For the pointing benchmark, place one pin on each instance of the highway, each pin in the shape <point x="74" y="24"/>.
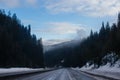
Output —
<point x="59" y="74"/>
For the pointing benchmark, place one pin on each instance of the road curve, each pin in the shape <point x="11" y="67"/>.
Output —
<point x="60" y="74"/>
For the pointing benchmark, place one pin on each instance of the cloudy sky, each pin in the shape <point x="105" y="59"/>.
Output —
<point x="63" y="19"/>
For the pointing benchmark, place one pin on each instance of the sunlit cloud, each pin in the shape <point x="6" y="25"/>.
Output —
<point x="61" y="28"/>
<point x="64" y="27"/>
<point x="85" y="7"/>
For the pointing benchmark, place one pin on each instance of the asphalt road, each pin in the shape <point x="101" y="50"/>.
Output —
<point x="60" y="74"/>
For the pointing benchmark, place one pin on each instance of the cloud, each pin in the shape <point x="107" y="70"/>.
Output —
<point x="9" y="3"/>
<point x="17" y="3"/>
<point x="81" y="34"/>
<point x="54" y="41"/>
<point x="85" y="7"/>
<point x="61" y="28"/>
<point x="32" y="2"/>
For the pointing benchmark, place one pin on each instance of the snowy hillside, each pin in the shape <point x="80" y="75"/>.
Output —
<point x="106" y="70"/>
<point x="71" y="43"/>
<point x="111" y="70"/>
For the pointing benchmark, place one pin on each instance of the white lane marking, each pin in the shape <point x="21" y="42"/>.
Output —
<point x="54" y="75"/>
<point x="69" y="76"/>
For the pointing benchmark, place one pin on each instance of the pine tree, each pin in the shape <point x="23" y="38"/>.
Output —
<point x="18" y="48"/>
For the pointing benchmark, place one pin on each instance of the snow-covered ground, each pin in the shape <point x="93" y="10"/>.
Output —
<point x="18" y="71"/>
<point x="106" y="70"/>
<point x="9" y="70"/>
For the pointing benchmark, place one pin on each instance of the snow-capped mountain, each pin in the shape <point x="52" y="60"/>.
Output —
<point x="54" y="44"/>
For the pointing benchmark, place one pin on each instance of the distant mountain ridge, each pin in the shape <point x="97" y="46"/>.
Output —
<point x="71" y="43"/>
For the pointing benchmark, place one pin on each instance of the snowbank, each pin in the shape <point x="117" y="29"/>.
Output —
<point x="11" y="70"/>
<point x="106" y="70"/>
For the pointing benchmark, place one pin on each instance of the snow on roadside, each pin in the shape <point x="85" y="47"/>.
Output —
<point x="11" y="70"/>
<point x="106" y="70"/>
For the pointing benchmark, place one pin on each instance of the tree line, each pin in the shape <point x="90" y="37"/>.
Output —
<point x="18" y="47"/>
<point x="92" y="49"/>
